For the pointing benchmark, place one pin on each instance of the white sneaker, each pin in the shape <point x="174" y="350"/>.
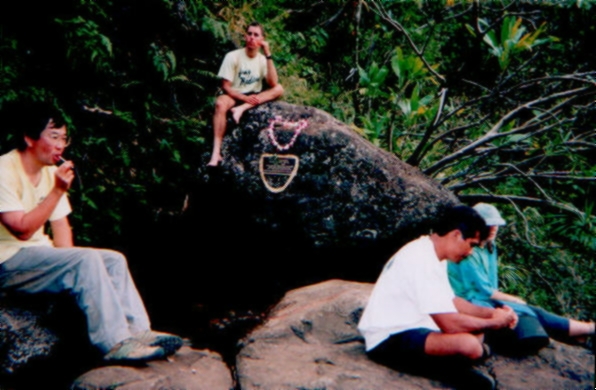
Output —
<point x="170" y="343"/>
<point x="132" y="350"/>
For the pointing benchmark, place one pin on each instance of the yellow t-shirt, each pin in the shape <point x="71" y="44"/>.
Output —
<point x="18" y="193"/>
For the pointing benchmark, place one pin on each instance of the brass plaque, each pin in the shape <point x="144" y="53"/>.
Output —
<point x="278" y="170"/>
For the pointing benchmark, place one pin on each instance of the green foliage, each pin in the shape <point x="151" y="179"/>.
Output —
<point x="409" y="69"/>
<point x="84" y="38"/>
<point x="505" y="130"/>
<point x="477" y="96"/>
<point x="512" y="40"/>
<point x="555" y="269"/>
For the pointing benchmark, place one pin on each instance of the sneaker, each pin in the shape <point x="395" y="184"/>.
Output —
<point x="170" y="343"/>
<point x="132" y="350"/>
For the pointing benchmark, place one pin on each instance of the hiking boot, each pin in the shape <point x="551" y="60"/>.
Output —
<point x="170" y="343"/>
<point x="473" y="379"/>
<point x="133" y="351"/>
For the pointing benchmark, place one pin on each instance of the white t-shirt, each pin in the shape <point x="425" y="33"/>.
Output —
<point x="413" y="285"/>
<point x="245" y="73"/>
<point x="17" y="193"/>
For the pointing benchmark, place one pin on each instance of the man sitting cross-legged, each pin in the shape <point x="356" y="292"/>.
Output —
<point x="413" y="320"/>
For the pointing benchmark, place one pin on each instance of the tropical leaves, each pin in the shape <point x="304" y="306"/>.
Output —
<point x="512" y="40"/>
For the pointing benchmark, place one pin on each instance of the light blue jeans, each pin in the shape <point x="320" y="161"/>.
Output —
<point x="99" y="280"/>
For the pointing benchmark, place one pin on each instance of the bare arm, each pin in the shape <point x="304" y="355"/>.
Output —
<point x="272" y="78"/>
<point x="507" y="297"/>
<point x="472" y="318"/>
<point x="23" y="225"/>
<point x="466" y="307"/>
<point x="62" y="233"/>
<point x="226" y="85"/>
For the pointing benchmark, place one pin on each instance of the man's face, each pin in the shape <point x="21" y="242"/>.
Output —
<point x="459" y="247"/>
<point x="49" y="147"/>
<point x="253" y="37"/>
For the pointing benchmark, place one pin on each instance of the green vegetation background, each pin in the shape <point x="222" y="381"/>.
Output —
<point x="493" y="99"/>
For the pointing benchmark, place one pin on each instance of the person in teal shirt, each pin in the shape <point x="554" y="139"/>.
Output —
<point x="476" y="280"/>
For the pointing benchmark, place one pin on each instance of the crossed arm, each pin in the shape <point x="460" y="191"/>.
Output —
<point x="472" y="318"/>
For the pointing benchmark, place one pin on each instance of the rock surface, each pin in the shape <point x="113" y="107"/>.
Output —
<point x="310" y="341"/>
<point x="22" y="338"/>
<point x="347" y="192"/>
<point x="188" y="369"/>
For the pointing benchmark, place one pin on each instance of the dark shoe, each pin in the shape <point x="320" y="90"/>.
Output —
<point x="471" y="378"/>
<point x="132" y="350"/>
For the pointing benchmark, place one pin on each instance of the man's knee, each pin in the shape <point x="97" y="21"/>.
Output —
<point x="223" y="104"/>
<point x="471" y="346"/>
<point x="463" y="344"/>
<point x="86" y="260"/>
<point x="113" y="258"/>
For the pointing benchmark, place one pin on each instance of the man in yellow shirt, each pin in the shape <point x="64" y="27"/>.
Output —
<point x="32" y="192"/>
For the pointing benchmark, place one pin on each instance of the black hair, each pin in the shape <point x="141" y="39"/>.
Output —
<point x="29" y="119"/>
<point x="462" y="218"/>
<point x="256" y="24"/>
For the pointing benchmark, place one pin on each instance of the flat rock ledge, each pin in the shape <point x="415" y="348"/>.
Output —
<point x="188" y="369"/>
<point x="310" y="341"/>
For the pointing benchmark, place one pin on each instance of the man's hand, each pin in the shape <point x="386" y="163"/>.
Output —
<point x="266" y="48"/>
<point x="505" y="317"/>
<point x="515" y="320"/>
<point x="64" y="176"/>
<point x="252" y="99"/>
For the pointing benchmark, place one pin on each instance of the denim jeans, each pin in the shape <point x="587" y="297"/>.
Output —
<point x="99" y="280"/>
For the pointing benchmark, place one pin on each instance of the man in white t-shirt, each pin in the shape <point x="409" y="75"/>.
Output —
<point x="33" y="191"/>
<point x="243" y="72"/>
<point x="413" y="316"/>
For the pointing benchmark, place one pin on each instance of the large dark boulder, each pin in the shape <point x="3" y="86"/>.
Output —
<point x="350" y="206"/>
<point x="43" y="341"/>
<point x="22" y="338"/>
<point x="347" y="192"/>
<point x="310" y="341"/>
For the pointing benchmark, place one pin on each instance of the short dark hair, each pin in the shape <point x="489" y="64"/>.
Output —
<point x="256" y="24"/>
<point x="29" y="119"/>
<point x="462" y="218"/>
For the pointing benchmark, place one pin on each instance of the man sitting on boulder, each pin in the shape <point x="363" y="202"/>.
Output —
<point x="242" y="73"/>
<point x="32" y="192"/>
<point x="414" y="321"/>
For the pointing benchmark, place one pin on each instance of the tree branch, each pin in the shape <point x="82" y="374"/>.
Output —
<point x="493" y="133"/>
<point x="521" y="201"/>
<point x="380" y="10"/>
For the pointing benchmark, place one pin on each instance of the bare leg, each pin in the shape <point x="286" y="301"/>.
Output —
<point x="463" y="344"/>
<point x="222" y="106"/>
<point x="264" y="97"/>
<point x="580" y="328"/>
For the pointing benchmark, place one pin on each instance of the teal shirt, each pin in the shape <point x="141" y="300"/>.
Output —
<point x="476" y="278"/>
